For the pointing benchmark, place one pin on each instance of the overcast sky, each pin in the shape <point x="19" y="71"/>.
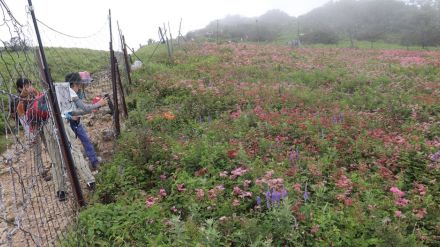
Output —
<point x="139" y="19"/>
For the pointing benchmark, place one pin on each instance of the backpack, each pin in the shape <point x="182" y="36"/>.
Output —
<point x="38" y="110"/>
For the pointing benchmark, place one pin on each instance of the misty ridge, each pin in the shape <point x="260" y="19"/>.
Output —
<point x="405" y="22"/>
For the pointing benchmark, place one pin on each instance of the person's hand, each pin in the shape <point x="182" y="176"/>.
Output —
<point x="68" y="115"/>
<point x="102" y="102"/>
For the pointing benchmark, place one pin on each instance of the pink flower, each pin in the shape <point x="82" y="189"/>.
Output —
<point x="401" y="202"/>
<point x="181" y="187"/>
<point x="397" y="192"/>
<point x="276" y="183"/>
<point x="259" y="182"/>
<point x="237" y="172"/>
<point x="297" y="187"/>
<point x="200" y="193"/>
<point x="348" y="201"/>
<point x="167" y="223"/>
<point x="223" y="219"/>
<point x="407" y="61"/>
<point x="343" y="182"/>
<point x="232" y="154"/>
<point x="420" y="188"/>
<point x="269" y="174"/>
<point x="236" y="203"/>
<point x="220" y="187"/>
<point x="149" y="202"/>
<point x="163" y="177"/>
<point x="246" y="183"/>
<point x="237" y="190"/>
<point x="420" y="213"/>
<point x="223" y="174"/>
<point x="340" y="197"/>
<point x="212" y="194"/>
<point x="174" y="209"/>
<point x="246" y="194"/>
<point x="314" y="229"/>
<point x="162" y="192"/>
<point x="235" y="114"/>
<point x="399" y="214"/>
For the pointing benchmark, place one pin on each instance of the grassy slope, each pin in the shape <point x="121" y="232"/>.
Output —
<point x="220" y="128"/>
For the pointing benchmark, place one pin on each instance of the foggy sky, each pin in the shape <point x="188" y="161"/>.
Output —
<point x="140" y="19"/>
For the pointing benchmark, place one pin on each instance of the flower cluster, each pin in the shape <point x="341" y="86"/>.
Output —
<point x="399" y="197"/>
<point x="273" y="197"/>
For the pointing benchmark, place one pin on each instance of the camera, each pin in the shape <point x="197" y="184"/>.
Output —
<point x="110" y="103"/>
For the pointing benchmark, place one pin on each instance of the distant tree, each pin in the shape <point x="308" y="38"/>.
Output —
<point x="320" y="37"/>
<point x="17" y="44"/>
<point x="378" y="18"/>
<point x="407" y="21"/>
<point x="275" y="17"/>
<point x="426" y="3"/>
<point x="234" y="27"/>
<point x="422" y="27"/>
<point x="349" y="19"/>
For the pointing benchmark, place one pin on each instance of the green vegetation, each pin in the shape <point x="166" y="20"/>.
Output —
<point x="61" y="61"/>
<point x="65" y="60"/>
<point x="262" y="145"/>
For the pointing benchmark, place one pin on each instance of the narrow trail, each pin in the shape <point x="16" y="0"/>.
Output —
<point x="30" y="213"/>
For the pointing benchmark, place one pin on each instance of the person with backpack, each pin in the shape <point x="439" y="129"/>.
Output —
<point x="28" y="95"/>
<point x="42" y="128"/>
<point x="79" y="108"/>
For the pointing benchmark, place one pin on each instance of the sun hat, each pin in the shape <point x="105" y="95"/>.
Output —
<point x="73" y="78"/>
<point x="85" y="76"/>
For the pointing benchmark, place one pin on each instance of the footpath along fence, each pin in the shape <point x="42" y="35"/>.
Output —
<point x="36" y="162"/>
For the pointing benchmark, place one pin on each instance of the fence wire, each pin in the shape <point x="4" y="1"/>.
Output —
<point x="33" y="211"/>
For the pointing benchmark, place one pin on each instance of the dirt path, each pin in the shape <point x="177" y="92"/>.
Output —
<point x="30" y="213"/>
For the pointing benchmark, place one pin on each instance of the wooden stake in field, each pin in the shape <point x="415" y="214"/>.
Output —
<point x="165" y="40"/>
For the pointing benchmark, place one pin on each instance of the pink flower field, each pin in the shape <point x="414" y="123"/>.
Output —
<point x="274" y="146"/>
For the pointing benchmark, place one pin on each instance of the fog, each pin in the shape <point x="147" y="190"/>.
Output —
<point x="391" y="21"/>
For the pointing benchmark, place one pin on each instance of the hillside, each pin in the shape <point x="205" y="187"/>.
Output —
<point x="390" y="21"/>
<point x="263" y="145"/>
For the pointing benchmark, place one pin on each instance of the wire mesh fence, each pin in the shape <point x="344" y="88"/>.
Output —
<point x="37" y="197"/>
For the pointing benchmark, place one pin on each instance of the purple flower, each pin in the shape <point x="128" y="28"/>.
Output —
<point x="258" y="200"/>
<point x="267" y="199"/>
<point x="283" y="193"/>
<point x="434" y="157"/>
<point x="294" y="156"/>
<point x="268" y="194"/>
<point x="338" y="118"/>
<point x="306" y="194"/>
<point x="276" y="196"/>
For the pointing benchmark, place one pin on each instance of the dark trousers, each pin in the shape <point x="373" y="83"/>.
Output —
<point x="81" y="133"/>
